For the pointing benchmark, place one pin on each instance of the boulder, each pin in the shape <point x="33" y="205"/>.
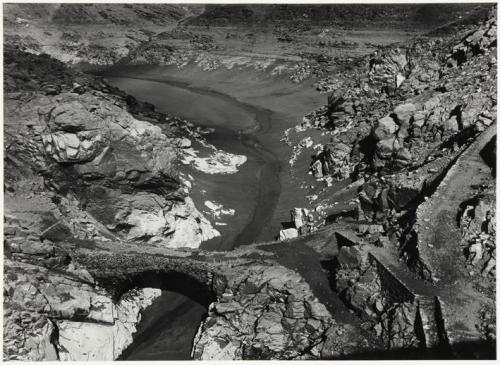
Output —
<point x="386" y="147"/>
<point x="419" y="119"/>
<point x="72" y="116"/>
<point x="404" y="112"/>
<point x="385" y="128"/>
<point x="315" y="309"/>
<point x="184" y="143"/>
<point x="451" y="124"/>
<point x="286" y="234"/>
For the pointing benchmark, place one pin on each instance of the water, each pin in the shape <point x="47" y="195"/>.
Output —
<point x="168" y="326"/>
<point x="253" y="192"/>
<point x="167" y="329"/>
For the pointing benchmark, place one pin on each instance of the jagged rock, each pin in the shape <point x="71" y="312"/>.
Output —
<point x="388" y="68"/>
<point x="100" y="341"/>
<point x="398" y="326"/>
<point x="280" y="323"/>
<point x="476" y="42"/>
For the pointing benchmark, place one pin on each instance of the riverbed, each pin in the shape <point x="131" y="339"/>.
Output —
<point x="254" y="190"/>
<point x="245" y="121"/>
<point x="263" y="191"/>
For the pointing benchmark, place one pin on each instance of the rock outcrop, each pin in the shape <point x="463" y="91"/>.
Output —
<point x="121" y="168"/>
<point x="81" y="168"/>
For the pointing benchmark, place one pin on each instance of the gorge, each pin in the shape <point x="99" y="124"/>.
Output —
<point x="225" y="182"/>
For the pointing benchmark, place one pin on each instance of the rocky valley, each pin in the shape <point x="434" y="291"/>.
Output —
<point x="231" y="182"/>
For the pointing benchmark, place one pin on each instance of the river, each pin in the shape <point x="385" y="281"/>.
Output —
<point x="169" y="325"/>
<point x="253" y="192"/>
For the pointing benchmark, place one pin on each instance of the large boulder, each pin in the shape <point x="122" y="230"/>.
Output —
<point x="71" y="115"/>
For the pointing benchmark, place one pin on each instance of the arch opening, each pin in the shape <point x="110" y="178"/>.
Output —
<point x="168" y="326"/>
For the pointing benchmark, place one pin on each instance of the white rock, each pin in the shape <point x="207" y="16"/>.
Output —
<point x="184" y="143"/>
<point x="286" y="234"/>
<point x="146" y="223"/>
<point x="87" y="144"/>
<point x="84" y="341"/>
<point x="219" y="162"/>
<point x="399" y="79"/>
<point x="71" y="140"/>
<point x="72" y="152"/>
<point x="190" y="227"/>
<point x="212" y="206"/>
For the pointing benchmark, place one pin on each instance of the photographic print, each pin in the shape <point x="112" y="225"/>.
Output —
<point x="244" y="181"/>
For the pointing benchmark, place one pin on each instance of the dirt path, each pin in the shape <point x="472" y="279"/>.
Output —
<point x="438" y="232"/>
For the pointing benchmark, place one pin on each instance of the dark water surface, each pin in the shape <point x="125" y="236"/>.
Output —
<point x="167" y="329"/>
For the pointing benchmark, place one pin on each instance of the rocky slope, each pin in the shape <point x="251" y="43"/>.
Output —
<point x="79" y="135"/>
<point x="319" y="39"/>
<point x="97" y="34"/>
<point x="94" y="202"/>
<point x="340" y="15"/>
<point x="410" y="141"/>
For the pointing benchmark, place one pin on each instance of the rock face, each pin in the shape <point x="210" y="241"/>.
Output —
<point x="64" y="316"/>
<point x="81" y="168"/>
<point x="260" y="315"/>
<point x="85" y="310"/>
<point x="122" y="168"/>
<point x="105" y="340"/>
